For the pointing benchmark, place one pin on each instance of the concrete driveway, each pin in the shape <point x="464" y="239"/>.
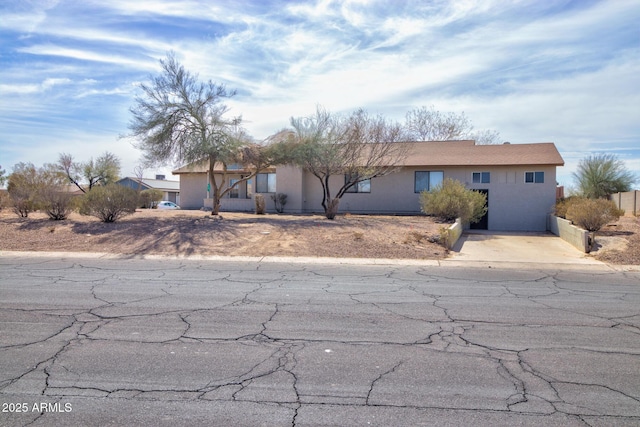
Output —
<point x="518" y="248"/>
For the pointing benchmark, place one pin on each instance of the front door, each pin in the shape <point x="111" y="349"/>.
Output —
<point x="483" y="224"/>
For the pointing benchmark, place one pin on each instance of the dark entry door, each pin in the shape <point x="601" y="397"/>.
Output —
<point x="483" y="224"/>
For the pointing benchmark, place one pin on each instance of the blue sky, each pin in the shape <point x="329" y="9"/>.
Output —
<point x="536" y="71"/>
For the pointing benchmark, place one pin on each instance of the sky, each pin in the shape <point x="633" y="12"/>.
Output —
<point x="557" y="71"/>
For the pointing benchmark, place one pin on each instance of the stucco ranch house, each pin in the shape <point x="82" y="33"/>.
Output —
<point x="170" y="189"/>
<point x="519" y="180"/>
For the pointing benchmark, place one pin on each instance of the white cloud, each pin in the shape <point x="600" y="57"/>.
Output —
<point x="88" y="55"/>
<point x="535" y="71"/>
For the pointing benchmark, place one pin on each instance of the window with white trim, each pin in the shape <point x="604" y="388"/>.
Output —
<point x="534" y="177"/>
<point x="427" y="180"/>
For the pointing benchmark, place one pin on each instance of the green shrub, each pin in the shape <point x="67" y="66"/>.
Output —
<point x="150" y="198"/>
<point x="592" y="214"/>
<point x="110" y="202"/>
<point x="451" y="199"/>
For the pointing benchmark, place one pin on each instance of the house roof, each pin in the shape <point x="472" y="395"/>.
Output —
<point x="467" y="153"/>
<point x="455" y="153"/>
<point x="203" y="167"/>
<point x="160" y="184"/>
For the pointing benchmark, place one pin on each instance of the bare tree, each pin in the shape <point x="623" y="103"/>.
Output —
<point x="139" y="173"/>
<point x="429" y="124"/>
<point x="182" y="120"/>
<point x="86" y="175"/>
<point x="359" y="147"/>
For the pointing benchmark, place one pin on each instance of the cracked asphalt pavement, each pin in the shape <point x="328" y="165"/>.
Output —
<point x="157" y="342"/>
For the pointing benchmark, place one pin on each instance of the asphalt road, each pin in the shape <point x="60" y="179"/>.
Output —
<point x="184" y="342"/>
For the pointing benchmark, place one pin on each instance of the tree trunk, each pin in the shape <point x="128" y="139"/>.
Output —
<point x="216" y="205"/>
<point x="332" y="208"/>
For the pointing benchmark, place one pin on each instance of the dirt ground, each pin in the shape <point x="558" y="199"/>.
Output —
<point x="198" y="233"/>
<point x="619" y="243"/>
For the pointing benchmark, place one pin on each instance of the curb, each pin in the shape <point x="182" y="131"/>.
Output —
<point x="449" y="262"/>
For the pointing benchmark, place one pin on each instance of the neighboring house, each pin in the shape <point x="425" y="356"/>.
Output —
<point x="170" y="189"/>
<point x="519" y="180"/>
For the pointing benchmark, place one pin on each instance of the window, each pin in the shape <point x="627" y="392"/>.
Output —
<point x="481" y="177"/>
<point x="266" y="183"/>
<point x="234" y="193"/>
<point x="534" y="177"/>
<point x="361" y="187"/>
<point x="427" y="181"/>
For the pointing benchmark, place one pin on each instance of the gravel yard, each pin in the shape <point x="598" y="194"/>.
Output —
<point x="198" y="233"/>
<point x="187" y="232"/>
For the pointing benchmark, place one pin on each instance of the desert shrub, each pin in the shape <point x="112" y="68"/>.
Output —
<point x="279" y="200"/>
<point x="592" y="214"/>
<point x="561" y="206"/>
<point x="110" y="202"/>
<point x="4" y="199"/>
<point x="53" y="195"/>
<point x="150" y="198"/>
<point x="56" y="202"/>
<point x="32" y="188"/>
<point x="451" y="199"/>
<point x="260" y="203"/>
<point x="23" y="189"/>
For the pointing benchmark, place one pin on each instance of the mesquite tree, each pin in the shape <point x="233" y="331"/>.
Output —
<point x="429" y="124"/>
<point x="103" y="170"/>
<point x="182" y="120"/>
<point x="359" y="147"/>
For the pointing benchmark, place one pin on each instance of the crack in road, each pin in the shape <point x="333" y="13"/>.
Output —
<point x="277" y="362"/>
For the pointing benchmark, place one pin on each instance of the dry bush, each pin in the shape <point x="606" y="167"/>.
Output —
<point x="261" y="205"/>
<point x="560" y="209"/>
<point x="110" y="202"/>
<point x="4" y="199"/>
<point x="414" y="237"/>
<point x="592" y="214"/>
<point x="23" y="189"/>
<point x="57" y="203"/>
<point x="150" y="198"/>
<point x="279" y="200"/>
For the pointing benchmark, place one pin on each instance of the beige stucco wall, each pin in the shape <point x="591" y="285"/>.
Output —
<point x="513" y="204"/>
<point x="290" y="181"/>
<point x="193" y="194"/>
<point x="629" y="201"/>
<point x="193" y="190"/>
